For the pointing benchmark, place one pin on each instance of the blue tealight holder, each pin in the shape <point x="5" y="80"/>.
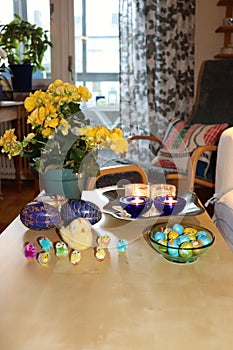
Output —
<point x="136" y="205"/>
<point x="169" y="205"/>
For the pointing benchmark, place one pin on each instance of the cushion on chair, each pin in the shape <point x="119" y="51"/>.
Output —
<point x="181" y="139"/>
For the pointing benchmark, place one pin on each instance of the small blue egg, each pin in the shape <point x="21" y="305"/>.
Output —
<point x="159" y="235"/>
<point x="173" y="248"/>
<point x="201" y="234"/>
<point x="204" y="240"/>
<point x="182" y="238"/>
<point x="178" y="228"/>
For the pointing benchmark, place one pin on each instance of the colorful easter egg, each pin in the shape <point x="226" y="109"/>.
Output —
<point x="76" y="208"/>
<point x="40" y="216"/>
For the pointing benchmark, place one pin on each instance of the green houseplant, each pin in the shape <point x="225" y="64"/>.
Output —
<point x="61" y="144"/>
<point x="25" y="45"/>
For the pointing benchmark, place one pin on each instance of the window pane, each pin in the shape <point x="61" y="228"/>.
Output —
<point x="97" y="48"/>
<point x="102" y="23"/>
<point x="6" y="15"/>
<point x="102" y="55"/>
<point x="38" y="12"/>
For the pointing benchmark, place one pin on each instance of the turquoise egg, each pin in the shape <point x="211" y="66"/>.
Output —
<point x="201" y="234"/>
<point x="173" y="248"/>
<point x="204" y="240"/>
<point x="178" y="228"/>
<point x="158" y="236"/>
<point x="182" y="238"/>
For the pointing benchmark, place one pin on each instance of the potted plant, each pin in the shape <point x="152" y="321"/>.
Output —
<point x="62" y="144"/>
<point x="25" y="45"/>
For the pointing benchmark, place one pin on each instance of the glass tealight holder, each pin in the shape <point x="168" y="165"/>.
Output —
<point x="169" y="205"/>
<point x="161" y="190"/>
<point x="136" y="206"/>
<point x="137" y="189"/>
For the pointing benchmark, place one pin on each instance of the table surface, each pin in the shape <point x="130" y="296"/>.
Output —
<point x="134" y="301"/>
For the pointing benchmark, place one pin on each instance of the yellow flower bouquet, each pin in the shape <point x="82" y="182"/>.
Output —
<point x="60" y="135"/>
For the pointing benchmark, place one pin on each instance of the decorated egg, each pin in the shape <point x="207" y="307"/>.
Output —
<point x="186" y="250"/>
<point x="159" y="235"/>
<point x="173" y="248"/>
<point x="178" y="228"/>
<point x="79" y="208"/>
<point x="182" y="238"/>
<point x="39" y="216"/>
<point x="172" y="235"/>
<point x="201" y="234"/>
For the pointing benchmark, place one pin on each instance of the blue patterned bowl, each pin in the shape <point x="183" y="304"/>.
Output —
<point x="40" y="216"/>
<point x="78" y="208"/>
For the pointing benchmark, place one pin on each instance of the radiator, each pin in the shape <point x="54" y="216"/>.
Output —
<point x="7" y="167"/>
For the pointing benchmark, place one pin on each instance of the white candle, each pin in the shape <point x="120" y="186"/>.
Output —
<point x="136" y="201"/>
<point x="170" y="201"/>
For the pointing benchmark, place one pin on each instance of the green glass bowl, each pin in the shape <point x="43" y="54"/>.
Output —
<point x="171" y="246"/>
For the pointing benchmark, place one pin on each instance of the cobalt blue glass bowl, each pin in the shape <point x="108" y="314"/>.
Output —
<point x="168" y="205"/>
<point x="136" y="206"/>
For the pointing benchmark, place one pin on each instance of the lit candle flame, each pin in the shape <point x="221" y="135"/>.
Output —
<point x="170" y="201"/>
<point x="137" y="201"/>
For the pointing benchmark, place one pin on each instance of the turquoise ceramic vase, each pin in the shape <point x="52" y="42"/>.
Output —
<point x="62" y="182"/>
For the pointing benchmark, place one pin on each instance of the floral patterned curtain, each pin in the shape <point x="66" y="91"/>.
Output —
<point x="156" y="62"/>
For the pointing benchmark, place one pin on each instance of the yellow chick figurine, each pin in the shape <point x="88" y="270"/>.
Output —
<point x="100" y="253"/>
<point x="75" y="257"/>
<point x="43" y="258"/>
<point x="103" y="241"/>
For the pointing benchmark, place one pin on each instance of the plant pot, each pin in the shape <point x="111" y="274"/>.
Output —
<point x="21" y="77"/>
<point x="62" y="182"/>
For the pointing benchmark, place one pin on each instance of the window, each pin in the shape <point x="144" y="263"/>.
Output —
<point x="78" y="29"/>
<point x="97" y="47"/>
<point x="35" y="12"/>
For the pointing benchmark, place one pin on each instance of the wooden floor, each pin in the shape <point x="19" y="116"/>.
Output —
<point x="13" y="201"/>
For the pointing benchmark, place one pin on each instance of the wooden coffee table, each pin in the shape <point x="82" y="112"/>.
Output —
<point x="137" y="300"/>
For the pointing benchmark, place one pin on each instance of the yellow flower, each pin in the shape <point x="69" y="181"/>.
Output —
<point x="48" y="113"/>
<point x="8" y="137"/>
<point x="29" y="137"/>
<point x="119" y="145"/>
<point x="84" y="93"/>
<point x="116" y="132"/>
<point x="64" y="126"/>
<point x="29" y="104"/>
<point x="9" y="143"/>
<point x="47" y="132"/>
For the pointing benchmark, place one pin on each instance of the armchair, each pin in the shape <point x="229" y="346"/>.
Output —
<point x="187" y="154"/>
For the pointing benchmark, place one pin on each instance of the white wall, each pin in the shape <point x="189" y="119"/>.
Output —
<point x="208" y="43"/>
